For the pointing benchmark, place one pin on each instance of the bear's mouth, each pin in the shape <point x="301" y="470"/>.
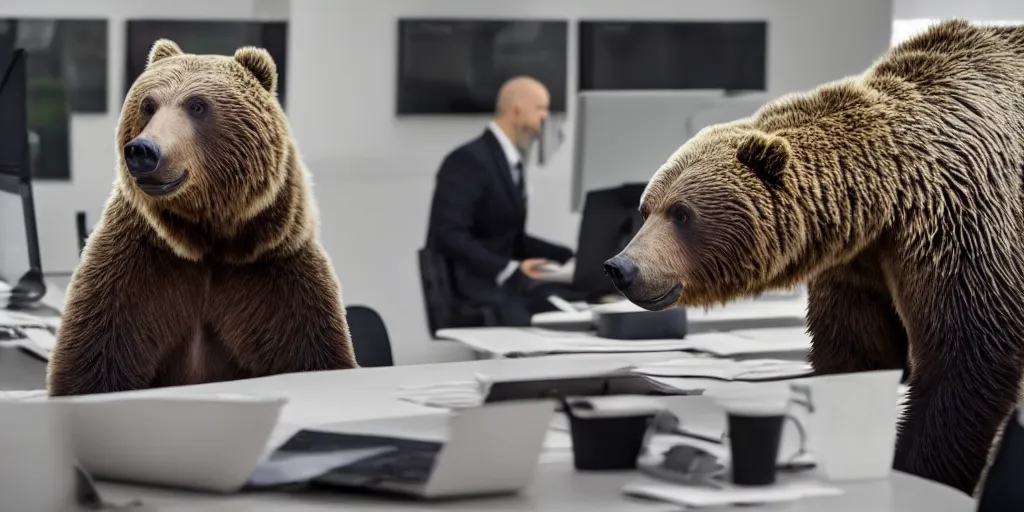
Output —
<point x="156" y="188"/>
<point x="662" y="301"/>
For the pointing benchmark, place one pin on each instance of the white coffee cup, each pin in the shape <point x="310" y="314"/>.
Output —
<point x="852" y="423"/>
<point x="36" y="458"/>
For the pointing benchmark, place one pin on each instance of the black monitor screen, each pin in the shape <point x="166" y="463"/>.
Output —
<point x="673" y="55"/>
<point x="611" y="218"/>
<point x="456" y="66"/>
<point x="14" y="156"/>
<point x="216" y="37"/>
<point x="14" y="250"/>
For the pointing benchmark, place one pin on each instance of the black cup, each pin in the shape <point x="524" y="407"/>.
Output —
<point x="607" y="443"/>
<point x="754" y="442"/>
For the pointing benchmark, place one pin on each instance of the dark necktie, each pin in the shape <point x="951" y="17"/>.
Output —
<point x="521" y="182"/>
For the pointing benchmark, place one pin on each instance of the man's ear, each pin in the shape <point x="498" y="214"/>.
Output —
<point x="162" y="49"/>
<point x="766" y="155"/>
<point x="259" y="62"/>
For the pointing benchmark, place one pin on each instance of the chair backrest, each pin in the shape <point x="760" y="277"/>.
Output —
<point x="370" y="338"/>
<point x="1002" y="489"/>
<point x="437" y="289"/>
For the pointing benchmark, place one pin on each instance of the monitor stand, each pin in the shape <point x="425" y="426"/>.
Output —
<point x="28" y="292"/>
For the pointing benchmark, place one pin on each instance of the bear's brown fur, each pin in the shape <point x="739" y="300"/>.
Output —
<point x="208" y="268"/>
<point x="898" y="196"/>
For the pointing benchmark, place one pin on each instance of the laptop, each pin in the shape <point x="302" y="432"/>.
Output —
<point x="487" y="450"/>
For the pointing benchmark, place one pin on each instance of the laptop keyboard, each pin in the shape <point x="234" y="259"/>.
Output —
<point x="410" y="462"/>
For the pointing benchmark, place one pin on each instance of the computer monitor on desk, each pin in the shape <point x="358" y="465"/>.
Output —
<point x="625" y="136"/>
<point x="611" y="218"/>
<point x="20" y="265"/>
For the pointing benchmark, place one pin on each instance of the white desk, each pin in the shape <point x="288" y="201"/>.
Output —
<point x="509" y="342"/>
<point x="352" y="395"/>
<point x="748" y="313"/>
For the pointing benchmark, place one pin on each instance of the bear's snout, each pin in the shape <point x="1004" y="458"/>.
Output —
<point x="142" y="156"/>
<point x="622" y="272"/>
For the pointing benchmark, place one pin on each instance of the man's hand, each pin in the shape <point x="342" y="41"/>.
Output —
<point x="531" y="267"/>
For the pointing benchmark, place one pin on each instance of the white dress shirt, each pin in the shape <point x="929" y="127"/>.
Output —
<point x="514" y="158"/>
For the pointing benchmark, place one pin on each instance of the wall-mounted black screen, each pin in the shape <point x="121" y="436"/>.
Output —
<point x="456" y="66"/>
<point x="217" y="37"/>
<point x="628" y="55"/>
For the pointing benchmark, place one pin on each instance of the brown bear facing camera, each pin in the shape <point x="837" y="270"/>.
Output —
<point x="897" y="195"/>
<point x="206" y="265"/>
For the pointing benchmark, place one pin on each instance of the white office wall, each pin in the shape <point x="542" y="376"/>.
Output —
<point x="913" y="16"/>
<point x="973" y="9"/>
<point x="373" y="173"/>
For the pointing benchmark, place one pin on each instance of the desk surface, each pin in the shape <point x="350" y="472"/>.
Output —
<point x="353" y="395"/>
<point x="739" y="314"/>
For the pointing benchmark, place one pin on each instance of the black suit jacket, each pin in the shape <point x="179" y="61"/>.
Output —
<point x="478" y="220"/>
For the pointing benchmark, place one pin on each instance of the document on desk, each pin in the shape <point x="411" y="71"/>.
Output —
<point x="20" y="319"/>
<point x="751" y="341"/>
<point x="754" y="370"/>
<point x="694" y="496"/>
<point x="535" y="341"/>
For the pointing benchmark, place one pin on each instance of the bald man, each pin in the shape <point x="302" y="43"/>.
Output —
<point x="478" y="214"/>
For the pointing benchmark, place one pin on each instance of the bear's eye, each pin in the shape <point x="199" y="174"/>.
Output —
<point x="196" y="107"/>
<point x="680" y="214"/>
<point x="148" y="107"/>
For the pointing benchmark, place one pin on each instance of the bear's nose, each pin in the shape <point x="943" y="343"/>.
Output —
<point x="621" y="271"/>
<point x="142" y="156"/>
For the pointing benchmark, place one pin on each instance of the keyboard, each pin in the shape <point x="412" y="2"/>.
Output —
<point x="410" y="462"/>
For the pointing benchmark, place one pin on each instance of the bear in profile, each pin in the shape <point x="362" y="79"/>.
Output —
<point x="206" y="265"/>
<point x="897" y="196"/>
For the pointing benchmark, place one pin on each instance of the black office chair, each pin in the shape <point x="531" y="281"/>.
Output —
<point x="370" y="338"/>
<point x="83" y="231"/>
<point x="444" y="309"/>
<point x="1001" y="490"/>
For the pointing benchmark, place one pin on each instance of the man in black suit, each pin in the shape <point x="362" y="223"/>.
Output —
<point x="478" y="214"/>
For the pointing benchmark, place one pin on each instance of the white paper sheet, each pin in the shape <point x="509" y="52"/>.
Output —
<point x="535" y="341"/>
<point x="43" y="338"/>
<point x="729" y="495"/>
<point x="726" y="369"/>
<point x="460" y="394"/>
<point x="21" y="319"/>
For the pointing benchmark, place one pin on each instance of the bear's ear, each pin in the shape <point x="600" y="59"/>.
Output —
<point x="259" y="62"/>
<point x="766" y="155"/>
<point x="162" y="49"/>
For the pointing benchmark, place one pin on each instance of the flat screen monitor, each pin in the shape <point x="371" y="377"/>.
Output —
<point x="14" y="154"/>
<point x="456" y="66"/>
<point x="20" y="265"/>
<point x="672" y="55"/>
<point x="625" y="136"/>
<point x="611" y="218"/>
<point x="214" y="37"/>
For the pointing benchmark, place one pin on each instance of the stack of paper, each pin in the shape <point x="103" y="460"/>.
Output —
<point x="727" y="369"/>
<point x="752" y="341"/>
<point x="524" y="342"/>
<point x="19" y="319"/>
<point x="688" y="496"/>
<point x="461" y="394"/>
